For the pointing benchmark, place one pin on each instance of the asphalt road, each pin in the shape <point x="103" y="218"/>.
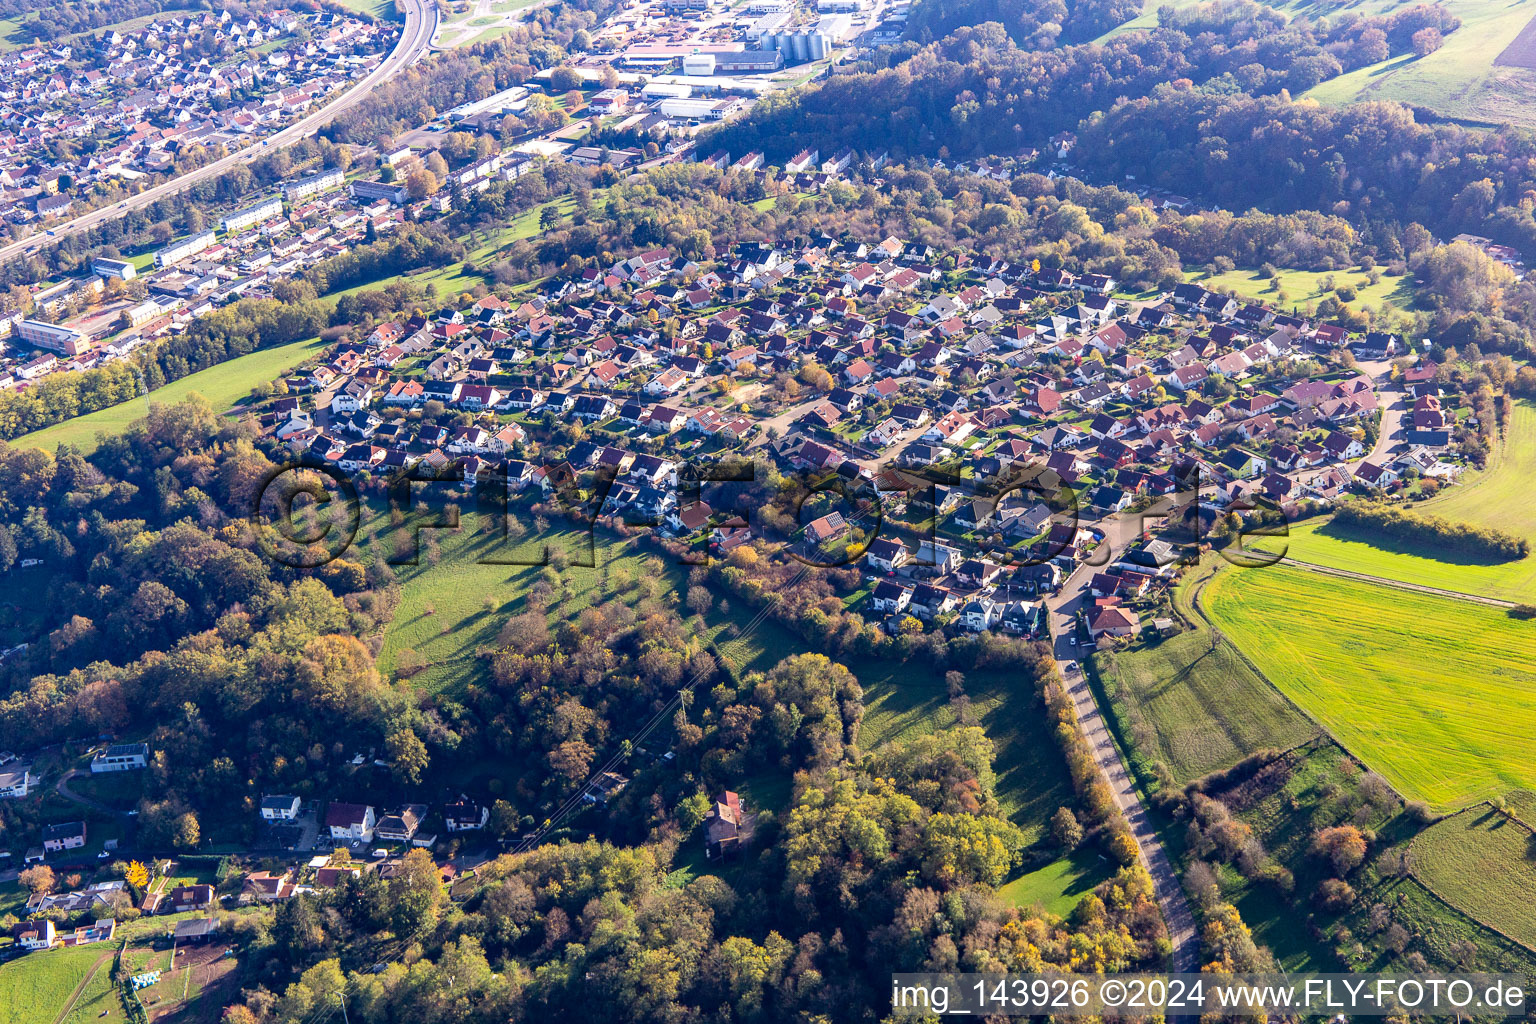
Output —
<point x="1119" y="535"/>
<point x="420" y="23"/>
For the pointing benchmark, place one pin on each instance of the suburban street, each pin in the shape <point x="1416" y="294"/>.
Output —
<point x="1119" y="535"/>
<point x="415" y="37"/>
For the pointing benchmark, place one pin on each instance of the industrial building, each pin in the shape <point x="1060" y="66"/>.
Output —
<point x="120" y="269"/>
<point x="178" y="251"/>
<point x="53" y="337"/>
<point x="329" y="178"/>
<point x="698" y="109"/>
<point x="839" y="6"/>
<point x="665" y="91"/>
<point x="254" y="214"/>
<point x="743" y="61"/>
<point x="768" y="24"/>
<point x="508" y="100"/>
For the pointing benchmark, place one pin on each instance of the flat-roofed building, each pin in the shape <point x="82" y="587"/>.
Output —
<point x="178" y="251"/>
<point x="53" y="337"/>
<point x="120" y="269"/>
<point x="253" y="214"/>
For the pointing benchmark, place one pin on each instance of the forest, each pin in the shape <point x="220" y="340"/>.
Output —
<point x="975" y="92"/>
<point x="160" y="615"/>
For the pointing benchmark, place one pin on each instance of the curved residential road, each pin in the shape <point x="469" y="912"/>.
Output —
<point x="62" y="788"/>
<point x="421" y="18"/>
<point x="1393" y="401"/>
<point x="1119" y="534"/>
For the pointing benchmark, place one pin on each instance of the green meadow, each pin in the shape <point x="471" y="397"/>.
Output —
<point x="224" y="385"/>
<point x="1482" y="862"/>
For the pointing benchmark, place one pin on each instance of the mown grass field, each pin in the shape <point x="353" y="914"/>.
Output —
<point x="910" y="699"/>
<point x="45" y="981"/>
<point x="381" y="9"/>
<point x="1194" y="708"/>
<point x="1499" y="495"/>
<point x="98" y="1002"/>
<point x="1058" y="886"/>
<point x="1437" y="695"/>
<point x="223" y="385"/>
<point x="454" y="601"/>
<point x="1483" y="863"/>
<point x="1460" y="79"/>
<point x="903" y="700"/>
<point x="454" y="278"/>
<point x="1304" y="286"/>
<point x="1322" y="542"/>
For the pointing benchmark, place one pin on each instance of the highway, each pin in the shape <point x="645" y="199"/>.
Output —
<point x="421" y="18"/>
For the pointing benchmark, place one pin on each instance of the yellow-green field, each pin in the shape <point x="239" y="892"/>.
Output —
<point x="1500" y="494"/>
<point x="1058" y="886"/>
<point x="223" y="385"/>
<point x="1481" y="862"/>
<point x="1301" y="287"/>
<point x="456" y="601"/>
<point x="1321" y="542"/>
<point x="1437" y="695"/>
<point x="1459" y="80"/>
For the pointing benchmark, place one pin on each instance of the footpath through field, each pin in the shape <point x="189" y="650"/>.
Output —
<point x="74" y="996"/>
<point x="1455" y="595"/>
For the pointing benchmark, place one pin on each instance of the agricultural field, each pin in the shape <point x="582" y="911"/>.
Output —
<point x="1499" y="495"/>
<point x="1323" y="542"/>
<point x="1195" y="708"/>
<point x="223" y="385"/>
<point x="1481" y="862"/>
<point x="1463" y="80"/>
<point x="1354" y="656"/>
<point x="1301" y="287"/>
